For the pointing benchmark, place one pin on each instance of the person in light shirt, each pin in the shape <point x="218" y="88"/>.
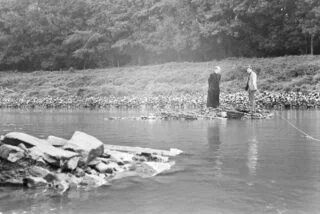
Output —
<point x="252" y="87"/>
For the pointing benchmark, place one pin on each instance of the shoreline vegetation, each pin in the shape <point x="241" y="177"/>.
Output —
<point x="284" y="82"/>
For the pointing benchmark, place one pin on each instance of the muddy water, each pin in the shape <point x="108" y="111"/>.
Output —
<point x="229" y="166"/>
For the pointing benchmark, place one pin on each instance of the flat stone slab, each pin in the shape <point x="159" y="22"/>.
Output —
<point x="82" y="142"/>
<point x="171" y="152"/>
<point x="39" y="146"/>
<point x="15" y="138"/>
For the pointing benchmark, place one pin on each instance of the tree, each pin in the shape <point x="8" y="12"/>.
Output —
<point x="308" y="14"/>
<point x="86" y="46"/>
<point x="49" y="35"/>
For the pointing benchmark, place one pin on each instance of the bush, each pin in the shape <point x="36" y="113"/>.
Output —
<point x="302" y="70"/>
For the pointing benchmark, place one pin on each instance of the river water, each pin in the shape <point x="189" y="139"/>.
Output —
<point x="229" y="166"/>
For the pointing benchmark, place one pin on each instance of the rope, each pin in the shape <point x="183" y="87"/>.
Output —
<point x="308" y="136"/>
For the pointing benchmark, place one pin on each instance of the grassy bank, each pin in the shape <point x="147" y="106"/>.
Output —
<point x="291" y="73"/>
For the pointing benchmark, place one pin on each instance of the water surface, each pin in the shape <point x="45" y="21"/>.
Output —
<point x="229" y="166"/>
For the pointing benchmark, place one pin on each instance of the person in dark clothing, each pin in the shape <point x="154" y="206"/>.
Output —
<point x="214" y="88"/>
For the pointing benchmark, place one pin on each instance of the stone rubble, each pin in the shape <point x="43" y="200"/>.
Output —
<point x="82" y="162"/>
<point x="203" y="114"/>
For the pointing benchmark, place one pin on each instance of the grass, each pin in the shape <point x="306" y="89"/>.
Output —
<point x="290" y="73"/>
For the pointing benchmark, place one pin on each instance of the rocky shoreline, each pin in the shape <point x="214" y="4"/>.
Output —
<point x="223" y="112"/>
<point x="58" y="165"/>
<point x="264" y="100"/>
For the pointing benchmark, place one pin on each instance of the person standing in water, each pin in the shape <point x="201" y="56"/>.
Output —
<point x="214" y="88"/>
<point x="251" y="87"/>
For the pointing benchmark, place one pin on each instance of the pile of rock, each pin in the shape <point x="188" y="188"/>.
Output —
<point x="211" y="114"/>
<point x="202" y="114"/>
<point x="83" y="161"/>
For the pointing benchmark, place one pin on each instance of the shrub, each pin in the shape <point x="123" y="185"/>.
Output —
<point x="302" y="70"/>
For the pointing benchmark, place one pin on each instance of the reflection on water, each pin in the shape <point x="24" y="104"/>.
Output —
<point x="229" y="166"/>
<point x="252" y="150"/>
<point x="214" y="144"/>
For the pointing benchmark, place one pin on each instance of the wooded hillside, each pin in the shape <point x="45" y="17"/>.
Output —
<point x="54" y="35"/>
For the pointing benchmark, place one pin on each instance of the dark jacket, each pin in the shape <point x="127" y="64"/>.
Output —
<point x="213" y="90"/>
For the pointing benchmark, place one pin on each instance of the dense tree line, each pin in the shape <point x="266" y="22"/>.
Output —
<point x="52" y="35"/>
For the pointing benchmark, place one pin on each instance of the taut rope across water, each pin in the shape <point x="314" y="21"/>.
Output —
<point x="308" y="136"/>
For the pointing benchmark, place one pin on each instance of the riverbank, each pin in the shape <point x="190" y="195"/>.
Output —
<point x="284" y="82"/>
<point x="264" y="100"/>
<point x="280" y="74"/>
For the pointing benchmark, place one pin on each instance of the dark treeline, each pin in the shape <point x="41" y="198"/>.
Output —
<point x="60" y="34"/>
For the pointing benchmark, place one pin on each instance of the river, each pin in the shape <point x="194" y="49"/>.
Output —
<point x="229" y="166"/>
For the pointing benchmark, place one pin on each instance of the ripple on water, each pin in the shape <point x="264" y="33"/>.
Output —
<point x="230" y="167"/>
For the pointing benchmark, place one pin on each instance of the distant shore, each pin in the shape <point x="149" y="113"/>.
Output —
<point x="280" y="74"/>
<point x="284" y="82"/>
<point x="264" y="100"/>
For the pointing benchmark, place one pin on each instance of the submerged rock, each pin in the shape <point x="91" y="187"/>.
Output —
<point x="119" y="156"/>
<point x="159" y="167"/>
<point x="223" y="112"/>
<point x="149" y="169"/>
<point x="139" y="150"/>
<point x="93" y="181"/>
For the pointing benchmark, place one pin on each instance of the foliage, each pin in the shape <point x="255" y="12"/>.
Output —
<point x="49" y="35"/>
<point x="170" y="78"/>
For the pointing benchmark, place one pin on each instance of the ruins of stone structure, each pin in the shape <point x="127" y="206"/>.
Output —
<point x="82" y="161"/>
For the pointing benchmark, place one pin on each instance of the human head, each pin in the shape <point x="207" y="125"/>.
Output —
<point x="217" y="69"/>
<point x="249" y="69"/>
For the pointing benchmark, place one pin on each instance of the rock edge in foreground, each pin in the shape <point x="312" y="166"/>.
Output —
<point x="81" y="162"/>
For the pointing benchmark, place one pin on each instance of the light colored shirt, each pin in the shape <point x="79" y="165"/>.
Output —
<point x="253" y="81"/>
